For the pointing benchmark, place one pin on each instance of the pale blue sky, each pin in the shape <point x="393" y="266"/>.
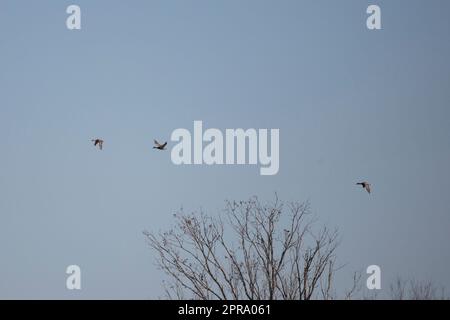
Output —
<point x="350" y="103"/>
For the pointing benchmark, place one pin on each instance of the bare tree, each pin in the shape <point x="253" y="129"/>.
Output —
<point x="248" y="252"/>
<point x="402" y="289"/>
<point x="398" y="289"/>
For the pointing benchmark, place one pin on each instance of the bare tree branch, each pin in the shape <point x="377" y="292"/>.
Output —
<point x="252" y="251"/>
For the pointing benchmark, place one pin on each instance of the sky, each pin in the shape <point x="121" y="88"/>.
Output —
<point x="351" y="104"/>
